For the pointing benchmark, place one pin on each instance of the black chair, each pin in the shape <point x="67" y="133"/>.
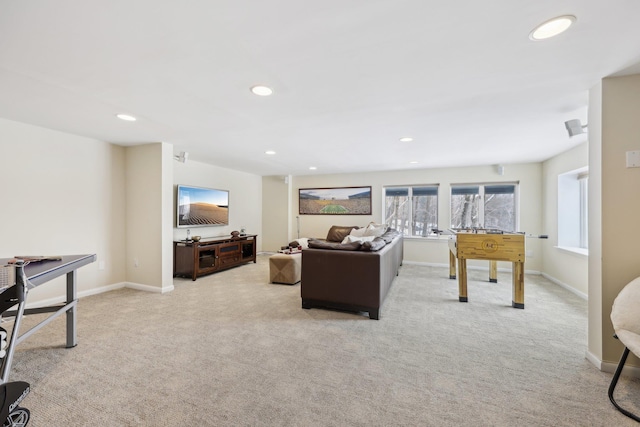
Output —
<point x="625" y="316"/>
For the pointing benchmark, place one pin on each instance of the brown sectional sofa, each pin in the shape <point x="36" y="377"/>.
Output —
<point x="350" y="276"/>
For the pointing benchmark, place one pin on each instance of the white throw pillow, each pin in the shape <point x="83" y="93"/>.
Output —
<point x="375" y="230"/>
<point x="351" y="239"/>
<point x="358" y="232"/>
<point x="303" y="241"/>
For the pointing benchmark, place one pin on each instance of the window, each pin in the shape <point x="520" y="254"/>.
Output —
<point x="484" y="206"/>
<point x="583" y="178"/>
<point x="572" y="209"/>
<point x="412" y="210"/>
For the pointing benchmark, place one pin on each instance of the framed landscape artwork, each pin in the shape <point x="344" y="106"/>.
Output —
<point x="335" y="201"/>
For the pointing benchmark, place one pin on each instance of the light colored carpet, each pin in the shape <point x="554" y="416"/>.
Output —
<point x="232" y="350"/>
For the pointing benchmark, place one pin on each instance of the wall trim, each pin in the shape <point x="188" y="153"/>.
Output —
<point x="628" y="370"/>
<point x="469" y="267"/>
<point x="593" y="360"/>
<point x="565" y="286"/>
<point x="148" y="288"/>
<point x="81" y="294"/>
<point x="426" y="264"/>
<point x="102" y="289"/>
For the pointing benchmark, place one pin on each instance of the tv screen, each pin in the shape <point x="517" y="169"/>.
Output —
<point x="201" y="207"/>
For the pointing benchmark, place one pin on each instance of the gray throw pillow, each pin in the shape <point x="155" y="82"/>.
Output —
<point x="374" y="245"/>
<point x="321" y="244"/>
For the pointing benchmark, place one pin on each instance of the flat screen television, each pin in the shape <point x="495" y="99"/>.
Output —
<point x="201" y="207"/>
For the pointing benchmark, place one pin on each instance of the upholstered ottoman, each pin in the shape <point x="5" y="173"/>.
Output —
<point x="285" y="268"/>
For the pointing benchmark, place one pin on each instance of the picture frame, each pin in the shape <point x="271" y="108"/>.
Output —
<point x="335" y="201"/>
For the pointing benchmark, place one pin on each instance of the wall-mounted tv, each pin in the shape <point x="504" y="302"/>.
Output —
<point x="201" y="207"/>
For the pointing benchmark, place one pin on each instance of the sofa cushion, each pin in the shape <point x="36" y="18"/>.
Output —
<point x="337" y="233"/>
<point x="321" y="244"/>
<point x="373" y="245"/>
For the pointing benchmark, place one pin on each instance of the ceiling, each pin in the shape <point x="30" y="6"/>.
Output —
<point x="349" y="77"/>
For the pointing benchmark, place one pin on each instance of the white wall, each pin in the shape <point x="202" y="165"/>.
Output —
<point x="614" y="220"/>
<point x="276" y="216"/>
<point x="427" y="250"/>
<point x="63" y="195"/>
<point x="569" y="269"/>
<point x="245" y="198"/>
<point x="148" y="221"/>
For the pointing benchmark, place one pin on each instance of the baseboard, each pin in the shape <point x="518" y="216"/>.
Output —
<point x="147" y="288"/>
<point x="565" y="286"/>
<point x="593" y="359"/>
<point x="628" y="370"/>
<point x="61" y="299"/>
<point x="102" y="289"/>
<point x="469" y="267"/>
<point x="425" y="264"/>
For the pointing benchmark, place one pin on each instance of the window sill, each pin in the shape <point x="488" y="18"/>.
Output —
<point x="582" y="252"/>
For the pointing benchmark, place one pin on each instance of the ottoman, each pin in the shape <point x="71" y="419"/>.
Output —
<point x="285" y="268"/>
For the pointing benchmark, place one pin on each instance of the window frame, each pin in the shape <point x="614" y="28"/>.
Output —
<point x="572" y="210"/>
<point x="410" y="194"/>
<point x="481" y="186"/>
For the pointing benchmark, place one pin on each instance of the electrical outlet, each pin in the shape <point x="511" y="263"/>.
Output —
<point x="101" y="265"/>
<point x="135" y="262"/>
<point x="529" y="253"/>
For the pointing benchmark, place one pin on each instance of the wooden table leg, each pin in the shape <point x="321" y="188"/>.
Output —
<point x="452" y="265"/>
<point x="518" y="285"/>
<point x="493" y="271"/>
<point x="462" y="279"/>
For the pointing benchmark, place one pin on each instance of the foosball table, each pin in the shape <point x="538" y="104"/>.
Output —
<point x="487" y="245"/>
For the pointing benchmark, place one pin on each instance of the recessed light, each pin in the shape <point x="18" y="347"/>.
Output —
<point x="126" y="117"/>
<point x="312" y="168"/>
<point x="552" y="27"/>
<point x="261" y="90"/>
<point x="270" y="152"/>
<point x="414" y="162"/>
<point x="406" y="139"/>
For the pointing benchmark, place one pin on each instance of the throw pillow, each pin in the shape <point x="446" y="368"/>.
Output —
<point x="375" y="245"/>
<point x="302" y="241"/>
<point x="389" y="235"/>
<point x="350" y="239"/>
<point x="337" y="233"/>
<point x="358" y="232"/>
<point x="376" y="230"/>
<point x="320" y="244"/>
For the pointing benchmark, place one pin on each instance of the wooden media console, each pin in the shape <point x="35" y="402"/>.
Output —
<point x="195" y="259"/>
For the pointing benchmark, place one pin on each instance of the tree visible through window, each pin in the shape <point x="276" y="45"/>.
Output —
<point x="484" y="206"/>
<point x="412" y="210"/>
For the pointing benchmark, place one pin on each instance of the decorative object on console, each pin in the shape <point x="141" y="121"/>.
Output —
<point x="201" y="207"/>
<point x="235" y="233"/>
<point x="196" y="238"/>
<point x="335" y="201"/>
